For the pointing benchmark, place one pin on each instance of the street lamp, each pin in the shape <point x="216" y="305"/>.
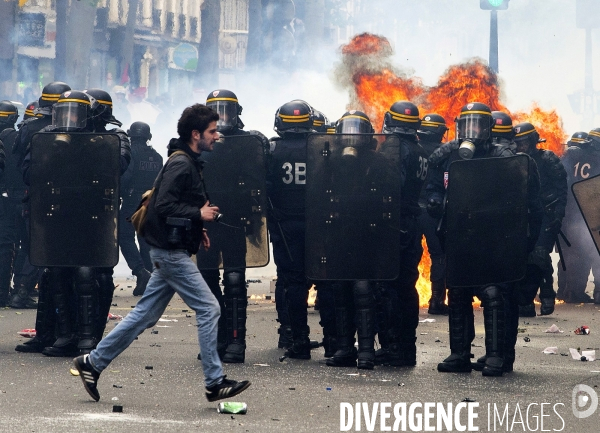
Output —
<point x="493" y="6"/>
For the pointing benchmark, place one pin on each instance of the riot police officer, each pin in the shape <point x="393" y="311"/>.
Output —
<point x="431" y="133"/>
<point x="71" y="113"/>
<point x="398" y="331"/>
<point x="474" y="141"/>
<point x="355" y="300"/>
<point x="320" y="122"/>
<point x="50" y="94"/>
<point x="553" y="196"/>
<point x="31" y="111"/>
<point x="229" y="243"/>
<point x="286" y="183"/>
<point x="45" y="316"/>
<point x="144" y="167"/>
<point x="581" y="161"/>
<point x="14" y="241"/>
<point x="11" y="190"/>
<point x="100" y="117"/>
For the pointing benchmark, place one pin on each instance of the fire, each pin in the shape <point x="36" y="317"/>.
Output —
<point x="375" y="84"/>
<point x="548" y="124"/>
<point x="378" y="91"/>
<point x="423" y="283"/>
<point x="461" y="84"/>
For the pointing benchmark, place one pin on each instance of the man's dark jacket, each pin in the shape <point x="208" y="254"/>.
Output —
<point x="180" y="194"/>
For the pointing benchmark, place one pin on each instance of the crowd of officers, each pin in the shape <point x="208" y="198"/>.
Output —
<point x="73" y="302"/>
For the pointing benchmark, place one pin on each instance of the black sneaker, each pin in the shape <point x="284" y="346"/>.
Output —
<point x="227" y="388"/>
<point x="88" y="375"/>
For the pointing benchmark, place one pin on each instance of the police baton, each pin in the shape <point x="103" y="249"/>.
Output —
<point x="287" y="248"/>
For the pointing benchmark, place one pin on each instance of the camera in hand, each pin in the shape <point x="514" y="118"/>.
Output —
<point x="178" y="228"/>
<point x="218" y="215"/>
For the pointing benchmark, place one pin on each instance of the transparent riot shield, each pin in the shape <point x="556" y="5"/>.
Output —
<point x="486" y="221"/>
<point x="235" y="176"/>
<point x="352" y="207"/>
<point x="74" y="198"/>
<point x="587" y="196"/>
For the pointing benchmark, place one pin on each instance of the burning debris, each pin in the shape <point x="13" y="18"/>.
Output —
<point x="374" y="84"/>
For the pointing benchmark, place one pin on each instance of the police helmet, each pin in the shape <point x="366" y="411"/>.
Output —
<point x="358" y="132"/>
<point x="433" y="127"/>
<point x="473" y="128"/>
<point x="594" y="135"/>
<point x="8" y="113"/>
<point x="72" y="111"/>
<point x="401" y="118"/>
<point x="579" y="139"/>
<point x="50" y="94"/>
<point x="502" y="126"/>
<point x="226" y="104"/>
<point x="139" y="130"/>
<point x="294" y="117"/>
<point x="526" y="137"/>
<point x="104" y="108"/>
<point x="320" y="122"/>
<point x="31" y="110"/>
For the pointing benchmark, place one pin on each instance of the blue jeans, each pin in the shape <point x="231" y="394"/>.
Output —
<point x="173" y="272"/>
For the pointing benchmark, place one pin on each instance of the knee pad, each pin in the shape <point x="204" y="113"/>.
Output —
<point x="363" y="294"/>
<point x="492" y="296"/>
<point x="234" y="280"/>
<point x="85" y="282"/>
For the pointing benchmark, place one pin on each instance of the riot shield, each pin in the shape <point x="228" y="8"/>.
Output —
<point x="235" y="176"/>
<point x="74" y="197"/>
<point x="486" y="221"/>
<point x="587" y="196"/>
<point x="352" y="207"/>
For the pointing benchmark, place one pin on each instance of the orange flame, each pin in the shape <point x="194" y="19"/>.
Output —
<point x="375" y="84"/>
<point x="548" y="124"/>
<point x="461" y="84"/>
<point x="423" y="283"/>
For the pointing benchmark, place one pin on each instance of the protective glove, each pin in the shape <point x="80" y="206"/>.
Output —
<point x="435" y="208"/>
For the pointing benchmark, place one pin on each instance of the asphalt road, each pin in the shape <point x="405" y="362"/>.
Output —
<point x="38" y="394"/>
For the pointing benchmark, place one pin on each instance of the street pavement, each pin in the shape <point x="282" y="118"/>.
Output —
<point x="158" y="381"/>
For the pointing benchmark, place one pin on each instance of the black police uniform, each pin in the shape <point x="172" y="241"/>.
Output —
<point x="93" y="287"/>
<point x="500" y="306"/>
<point x="553" y="197"/>
<point x="286" y="188"/>
<point x="145" y="165"/>
<point x="580" y="162"/>
<point x="397" y="333"/>
<point x="229" y="244"/>
<point x="14" y="239"/>
<point x="428" y="227"/>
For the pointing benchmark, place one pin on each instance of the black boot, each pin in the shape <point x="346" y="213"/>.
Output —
<point x="45" y="321"/>
<point x="21" y="299"/>
<point x="285" y="337"/>
<point x="66" y="341"/>
<point x="461" y="322"/>
<point x="527" y="310"/>
<point x="106" y="289"/>
<point x="346" y="354"/>
<point x="437" y="304"/>
<point x="300" y="349"/>
<point x="141" y="281"/>
<point x="6" y="272"/>
<point x="547" y="307"/>
<point x="364" y="303"/>
<point x="385" y="315"/>
<point x="403" y="349"/>
<point x="494" y="319"/>
<point x="86" y="287"/>
<point x="236" y="303"/>
<point x="284" y="331"/>
<point x="329" y="344"/>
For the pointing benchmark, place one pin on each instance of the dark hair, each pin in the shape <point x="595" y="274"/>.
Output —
<point x="197" y="117"/>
